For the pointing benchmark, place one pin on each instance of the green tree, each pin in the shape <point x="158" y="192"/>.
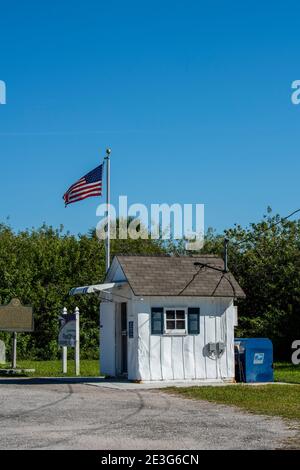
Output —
<point x="41" y="266"/>
<point x="265" y="259"/>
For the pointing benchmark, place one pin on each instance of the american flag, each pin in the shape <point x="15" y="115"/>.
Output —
<point x="88" y="186"/>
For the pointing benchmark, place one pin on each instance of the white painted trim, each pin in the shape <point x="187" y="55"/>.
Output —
<point x="176" y="332"/>
<point x="94" y="288"/>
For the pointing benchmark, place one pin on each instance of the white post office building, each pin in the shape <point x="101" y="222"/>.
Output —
<point x="168" y="318"/>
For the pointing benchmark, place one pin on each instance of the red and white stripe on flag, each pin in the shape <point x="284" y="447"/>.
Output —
<point x="88" y="186"/>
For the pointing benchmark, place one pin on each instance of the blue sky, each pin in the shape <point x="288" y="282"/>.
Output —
<point x="193" y="97"/>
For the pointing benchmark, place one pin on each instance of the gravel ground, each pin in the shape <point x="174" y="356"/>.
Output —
<point x="79" y="416"/>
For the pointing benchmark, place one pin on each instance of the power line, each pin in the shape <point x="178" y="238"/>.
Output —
<point x="270" y="227"/>
<point x="223" y="271"/>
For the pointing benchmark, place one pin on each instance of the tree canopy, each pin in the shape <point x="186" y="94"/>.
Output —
<point x="40" y="266"/>
<point x="265" y="259"/>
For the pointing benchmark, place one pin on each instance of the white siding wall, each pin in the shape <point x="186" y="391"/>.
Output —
<point x="162" y="357"/>
<point x="142" y="340"/>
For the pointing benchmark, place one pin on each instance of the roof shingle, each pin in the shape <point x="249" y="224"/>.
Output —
<point x="178" y="275"/>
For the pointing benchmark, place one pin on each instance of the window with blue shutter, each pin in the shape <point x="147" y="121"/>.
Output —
<point x="157" y="321"/>
<point x="194" y="321"/>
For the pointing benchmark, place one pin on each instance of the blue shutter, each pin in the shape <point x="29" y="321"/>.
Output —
<point x="157" y="321"/>
<point x="194" y="321"/>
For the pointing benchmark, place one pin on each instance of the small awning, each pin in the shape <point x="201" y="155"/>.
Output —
<point x="92" y="289"/>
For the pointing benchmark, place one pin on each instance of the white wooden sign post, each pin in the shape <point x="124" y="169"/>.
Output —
<point x="65" y="349"/>
<point x="14" y="351"/>
<point x="77" y="344"/>
<point x="69" y="337"/>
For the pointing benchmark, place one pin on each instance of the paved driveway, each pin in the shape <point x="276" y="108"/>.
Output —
<point x="78" y="416"/>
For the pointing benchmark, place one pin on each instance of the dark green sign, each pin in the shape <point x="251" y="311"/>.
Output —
<point x="16" y="317"/>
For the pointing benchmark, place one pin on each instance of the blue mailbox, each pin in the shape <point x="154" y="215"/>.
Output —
<point x="253" y="360"/>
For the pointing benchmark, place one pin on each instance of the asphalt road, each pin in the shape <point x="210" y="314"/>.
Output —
<point x="79" y="416"/>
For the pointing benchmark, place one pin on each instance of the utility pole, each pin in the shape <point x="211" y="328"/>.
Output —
<point x="226" y="241"/>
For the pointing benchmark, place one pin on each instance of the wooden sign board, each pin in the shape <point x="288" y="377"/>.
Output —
<point x="16" y="317"/>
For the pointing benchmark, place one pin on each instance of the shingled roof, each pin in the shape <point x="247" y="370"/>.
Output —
<point x="178" y="275"/>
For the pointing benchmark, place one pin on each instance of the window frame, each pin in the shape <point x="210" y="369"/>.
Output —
<point x="176" y="332"/>
<point x="160" y="311"/>
<point x="194" y="311"/>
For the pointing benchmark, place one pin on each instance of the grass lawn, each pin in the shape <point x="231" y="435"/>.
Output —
<point x="286" y="372"/>
<point x="273" y="400"/>
<point x="283" y="371"/>
<point x="88" y="368"/>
